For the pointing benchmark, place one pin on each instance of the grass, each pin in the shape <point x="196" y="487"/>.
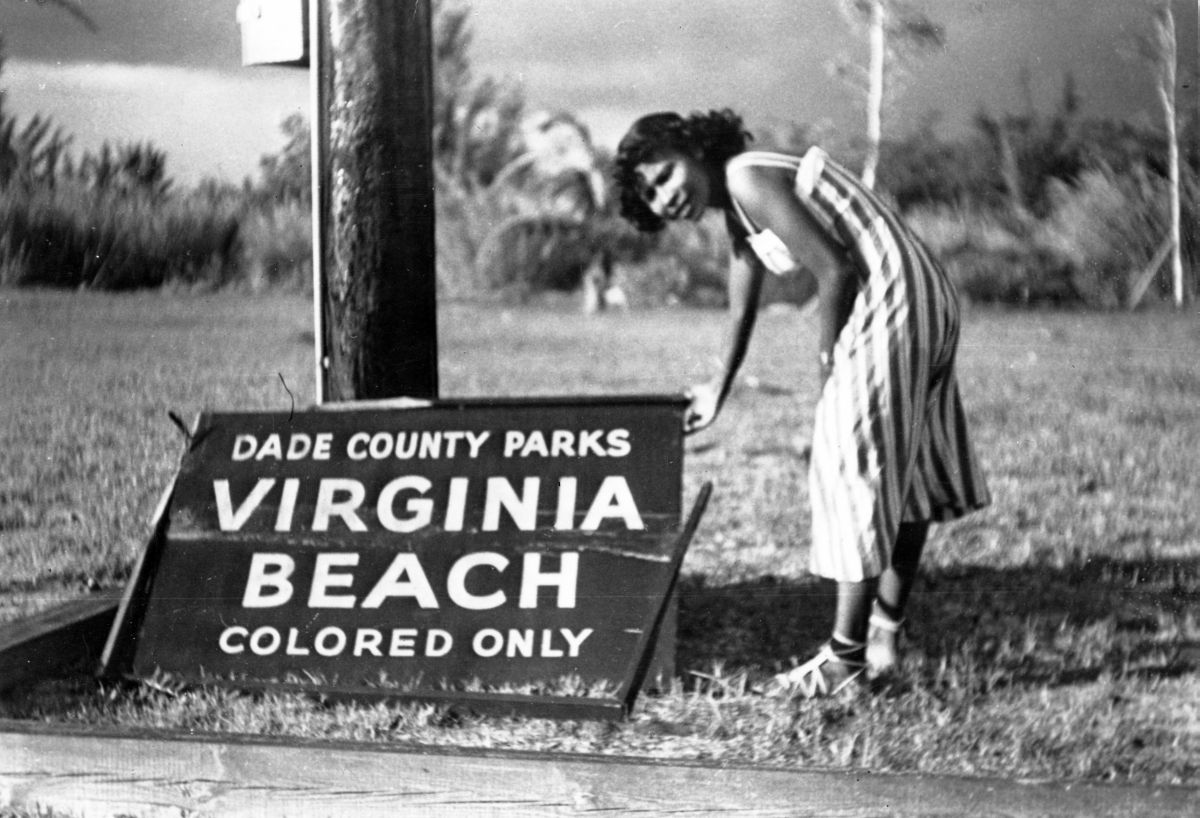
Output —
<point x="1054" y="635"/>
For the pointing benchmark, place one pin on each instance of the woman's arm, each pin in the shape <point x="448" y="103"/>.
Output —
<point x="837" y="294"/>
<point x="767" y="195"/>
<point x="745" y="285"/>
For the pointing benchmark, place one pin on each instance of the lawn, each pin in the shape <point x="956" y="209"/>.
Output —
<point x="1054" y="635"/>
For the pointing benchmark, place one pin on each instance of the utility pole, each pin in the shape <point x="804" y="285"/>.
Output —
<point x="374" y="258"/>
<point x="374" y="202"/>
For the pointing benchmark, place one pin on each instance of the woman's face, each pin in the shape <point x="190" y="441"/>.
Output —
<point x="675" y="186"/>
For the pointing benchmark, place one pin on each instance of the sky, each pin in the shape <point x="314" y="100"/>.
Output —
<point x="170" y="72"/>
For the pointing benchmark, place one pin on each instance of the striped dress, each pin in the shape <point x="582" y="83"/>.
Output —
<point x="890" y="440"/>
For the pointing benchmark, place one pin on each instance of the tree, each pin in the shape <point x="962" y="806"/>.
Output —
<point x="522" y="199"/>
<point x="525" y="190"/>
<point x="35" y="151"/>
<point x="1031" y="149"/>
<point x="287" y="175"/>
<point x="896" y="31"/>
<point x="1158" y="48"/>
<point x="475" y="128"/>
<point x="557" y="226"/>
<point x="476" y="122"/>
<point x="1163" y="50"/>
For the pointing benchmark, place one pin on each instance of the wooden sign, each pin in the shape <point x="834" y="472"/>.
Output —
<point x="456" y="551"/>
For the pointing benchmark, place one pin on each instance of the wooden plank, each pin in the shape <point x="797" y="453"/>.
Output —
<point x="66" y="637"/>
<point x="111" y="772"/>
<point x="121" y="641"/>
<point x="1147" y="275"/>
<point x="646" y="654"/>
<point x="480" y="703"/>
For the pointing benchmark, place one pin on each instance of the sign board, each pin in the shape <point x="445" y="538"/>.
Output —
<point x="461" y="548"/>
<point x="274" y="32"/>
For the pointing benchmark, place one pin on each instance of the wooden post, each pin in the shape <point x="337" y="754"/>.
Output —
<point x="52" y="769"/>
<point x="377" y="315"/>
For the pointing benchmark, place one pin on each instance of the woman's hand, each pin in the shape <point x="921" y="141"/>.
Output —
<point x="705" y="404"/>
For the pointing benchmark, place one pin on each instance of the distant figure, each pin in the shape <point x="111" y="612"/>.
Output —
<point x="890" y="449"/>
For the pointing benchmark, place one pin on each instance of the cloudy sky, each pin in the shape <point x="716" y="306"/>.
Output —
<point x="169" y="71"/>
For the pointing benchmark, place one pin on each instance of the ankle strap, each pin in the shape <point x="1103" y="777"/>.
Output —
<point x="850" y="644"/>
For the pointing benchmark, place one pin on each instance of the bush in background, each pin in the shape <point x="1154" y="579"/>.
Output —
<point x="275" y="248"/>
<point x="1029" y="208"/>
<point x="1106" y="228"/>
<point x="105" y="219"/>
<point x="71" y="235"/>
<point x="990" y="257"/>
<point x="1100" y="240"/>
<point x="696" y="268"/>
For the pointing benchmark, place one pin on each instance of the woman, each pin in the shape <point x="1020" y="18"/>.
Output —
<point x="890" y="449"/>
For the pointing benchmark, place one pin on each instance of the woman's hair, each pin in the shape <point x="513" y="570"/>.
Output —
<point x="712" y="138"/>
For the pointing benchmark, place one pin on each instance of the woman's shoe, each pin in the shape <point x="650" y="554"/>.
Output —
<point x="883" y="644"/>
<point x="824" y="675"/>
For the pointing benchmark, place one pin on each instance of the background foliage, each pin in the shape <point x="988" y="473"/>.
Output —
<point x="1024" y="208"/>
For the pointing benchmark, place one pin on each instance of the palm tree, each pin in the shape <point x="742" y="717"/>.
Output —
<point x="556" y="204"/>
<point x="522" y="197"/>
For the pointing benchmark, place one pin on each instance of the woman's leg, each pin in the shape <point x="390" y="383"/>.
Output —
<point x="897" y="581"/>
<point x="895" y="587"/>
<point x="850" y="618"/>
<point x="842" y="663"/>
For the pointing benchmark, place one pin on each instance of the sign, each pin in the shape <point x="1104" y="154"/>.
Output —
<point x="274" y="32"/>
<point x="466" y="546"/>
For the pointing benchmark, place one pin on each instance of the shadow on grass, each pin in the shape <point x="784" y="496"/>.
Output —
<point x="1036" y="625"/>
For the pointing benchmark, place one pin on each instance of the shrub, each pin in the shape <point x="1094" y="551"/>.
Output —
<point x="1105" y="228"/>
<point x="276" y="246"/>
<point x="524" y="254"/>
<point x="701" y="251"/>
<point x="489" y="247"/>
<point x="72" y="236"/>
<point x="1098" y="236"/>
<point x="463" y="220"/>
<point x="991" y="257"/>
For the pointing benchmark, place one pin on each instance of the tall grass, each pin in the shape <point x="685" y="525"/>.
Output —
<point x="112" y="221"/>
<point x="70" y="235"/>
<point x="1091" y="248"/>
<point x="1106" y="228"/>
<point x="990" y="257"/>
<point x="276" y="247"/>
